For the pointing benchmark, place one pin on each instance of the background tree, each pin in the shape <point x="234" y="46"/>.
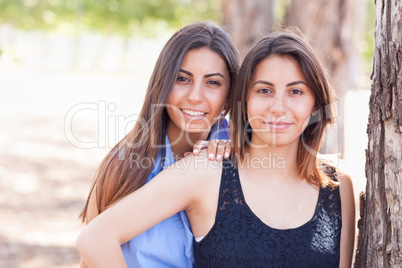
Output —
<point x="247" y="20"/>
<point x="380" y="226"/>
<point x="333" y="27"/>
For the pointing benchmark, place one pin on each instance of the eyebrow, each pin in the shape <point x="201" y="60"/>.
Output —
<point x="296" y="82"/>
<point x="205" y="76"/>
<point x="272" y="85"/>
<point x="263" y="82"/>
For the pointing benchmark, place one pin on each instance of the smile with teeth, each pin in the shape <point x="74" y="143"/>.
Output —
<point x="193" y="113"/>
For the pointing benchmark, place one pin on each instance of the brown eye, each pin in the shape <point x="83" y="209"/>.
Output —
<point x="183" y="79"/>
<point x="213" y="82"/>
<point x="296" y="91"/>
<point x="264" y="91"/>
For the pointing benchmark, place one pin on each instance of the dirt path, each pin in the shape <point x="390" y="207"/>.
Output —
<point x="44" y="181"/>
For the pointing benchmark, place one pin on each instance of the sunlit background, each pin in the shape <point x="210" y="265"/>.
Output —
<point x="73" y="75"/>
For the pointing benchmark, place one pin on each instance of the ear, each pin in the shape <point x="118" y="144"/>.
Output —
<point x="315" y="110"/>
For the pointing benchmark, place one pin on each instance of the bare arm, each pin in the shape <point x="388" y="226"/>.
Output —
<point x="91" y="214"/>
<point x="83" y="264"/>
<point x="173" y="190"/>
<point x="348" y="221"/>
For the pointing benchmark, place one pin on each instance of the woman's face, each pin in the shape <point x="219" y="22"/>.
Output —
<point x="199" y="94"/>
<point x="279" y="102"/>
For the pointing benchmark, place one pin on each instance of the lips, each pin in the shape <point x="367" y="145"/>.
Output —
<point x="193" y="113"/>
<point x="278" y="125"/>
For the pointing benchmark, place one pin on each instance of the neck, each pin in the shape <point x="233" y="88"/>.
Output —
<point x="182" y="142"/>
<point x="277" y="162"/>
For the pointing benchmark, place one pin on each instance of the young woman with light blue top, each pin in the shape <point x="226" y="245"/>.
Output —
<point x="185" y="102"/>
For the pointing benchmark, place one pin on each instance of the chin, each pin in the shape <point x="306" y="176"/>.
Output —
<point x="195" y="128"/>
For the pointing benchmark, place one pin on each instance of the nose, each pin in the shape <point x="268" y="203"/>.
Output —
<point x="278" y="106"/>
<point x="196" y="93"/>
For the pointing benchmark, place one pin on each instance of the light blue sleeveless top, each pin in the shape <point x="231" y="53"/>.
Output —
<point x="169" y="243"/>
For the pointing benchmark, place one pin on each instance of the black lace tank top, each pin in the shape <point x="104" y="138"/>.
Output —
<point x="239" y="238"/>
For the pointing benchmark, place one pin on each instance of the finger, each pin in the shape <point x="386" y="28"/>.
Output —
<point x="199" y="145"/>
<point x="220" y="150"/>
<point x="187" y="154"/>
<point x="212" y="149"/>
<point x="228" y="149"/>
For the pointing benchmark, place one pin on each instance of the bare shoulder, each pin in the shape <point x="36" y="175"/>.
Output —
<point x="192" y="175"/>
<point x="347" y="195"/>
<point x="197" y="167"/>
<point x="345" y="183"/>
<point x="348" y="219"/>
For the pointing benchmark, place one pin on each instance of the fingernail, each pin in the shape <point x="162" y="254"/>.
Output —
<point x="211" y="156"/>
<point x="226" y="155"/>
<point x="218" y="157"/>
<point x="195" y="151"/>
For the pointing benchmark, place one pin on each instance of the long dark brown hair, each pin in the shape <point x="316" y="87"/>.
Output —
<point x="290" y="45"/>
<point x="115" y="178"/>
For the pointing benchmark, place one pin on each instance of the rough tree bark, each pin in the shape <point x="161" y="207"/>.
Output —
<point x="333" y="28"/>
<point x="380" y="226"/>
<point x="247" y="21"/>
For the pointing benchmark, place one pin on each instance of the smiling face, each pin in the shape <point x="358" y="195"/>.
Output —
<point x="199" y="94"/>
<point x="279" y="102"/>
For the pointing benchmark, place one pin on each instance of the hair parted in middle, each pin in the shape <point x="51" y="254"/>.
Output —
<point x="289" y="45"/>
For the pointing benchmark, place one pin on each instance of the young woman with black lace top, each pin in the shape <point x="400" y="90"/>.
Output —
<point x="275" y="204"/>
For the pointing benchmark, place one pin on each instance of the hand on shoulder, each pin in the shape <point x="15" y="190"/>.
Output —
<point x="196" y="164"/>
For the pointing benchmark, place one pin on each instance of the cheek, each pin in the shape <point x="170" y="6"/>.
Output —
<point x="256" y="118"/>
<point x="256" y="106"/>
<point x="217" y="101"/>
<point x="304" y="115"/>
<point x="172" y="112"/>
<point x="305" y="123"/>
<point x="173" y="97"/>
<point x="172" y="104"/>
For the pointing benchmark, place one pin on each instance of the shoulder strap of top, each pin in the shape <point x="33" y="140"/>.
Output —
<point x="331" y="195"/>
<point x="329" y="171"/>
<point x="230" y="192"/>
<point x="223" y="190"/>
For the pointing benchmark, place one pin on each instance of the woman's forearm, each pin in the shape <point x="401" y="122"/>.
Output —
<point x="100" y="252"/>
<point x="173" y="190"/>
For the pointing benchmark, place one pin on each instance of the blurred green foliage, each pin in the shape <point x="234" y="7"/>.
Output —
<point x="137" y="17"/>
<point x="125" y="17"/>
<point x="367" y="46"/>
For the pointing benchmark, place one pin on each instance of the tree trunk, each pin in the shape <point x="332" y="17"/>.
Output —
<point x="380" y="226"/>
<point x="247" y="21"/>
<point x="332" y="27"/>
